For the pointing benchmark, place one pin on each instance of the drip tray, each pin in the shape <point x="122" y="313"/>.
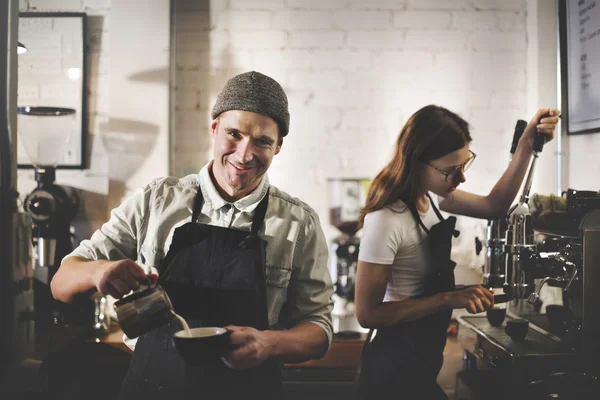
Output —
<point x="534" y="344"/>
<point x="532" y="358"/>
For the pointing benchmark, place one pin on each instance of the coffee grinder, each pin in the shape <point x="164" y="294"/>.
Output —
<point x="346" y="198"/>
<point x="44" y="132"/>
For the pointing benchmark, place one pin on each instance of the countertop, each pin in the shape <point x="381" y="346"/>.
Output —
<point x="344" y="352"/>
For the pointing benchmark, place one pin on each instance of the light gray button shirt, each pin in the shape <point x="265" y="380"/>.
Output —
<point x="298" y="282"/>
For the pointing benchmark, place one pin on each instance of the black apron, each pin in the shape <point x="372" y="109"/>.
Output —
<point x="214" y="276"/>
<point x="403" y="361"/>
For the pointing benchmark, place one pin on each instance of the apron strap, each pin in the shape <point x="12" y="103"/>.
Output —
<point x="455" y="233"/>
<point x="198" y="200"/>
<point x="415" y="214"/>
<point x="259" y="212"/>
<point x="437" y="212"/>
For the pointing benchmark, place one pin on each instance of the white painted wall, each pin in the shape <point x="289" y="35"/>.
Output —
<point x="354" y="71"/>
<point x="128" y="102"/>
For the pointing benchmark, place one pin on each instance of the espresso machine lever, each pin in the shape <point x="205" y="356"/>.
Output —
<point x="519" y="274"/>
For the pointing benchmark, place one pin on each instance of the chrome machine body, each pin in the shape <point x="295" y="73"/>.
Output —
<point x="494" y="259"/>
<point x="561" y="351"/>
<point x="560" y="355"/>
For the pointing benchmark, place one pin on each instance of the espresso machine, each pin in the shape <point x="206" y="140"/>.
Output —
<point x="44" y="132"/>
<point x="559" y="356"/>
<point x="493" y="267"/>
<point x="346" y="197"/>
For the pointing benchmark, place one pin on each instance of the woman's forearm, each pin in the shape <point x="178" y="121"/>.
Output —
<point x="504" y="192"/>
<point x="395" y="312"/>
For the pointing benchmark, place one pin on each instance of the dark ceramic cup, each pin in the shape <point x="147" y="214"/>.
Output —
<point x="517" y="329"/>
<point x="495" y="316"/>
<point x="205" y="345"/>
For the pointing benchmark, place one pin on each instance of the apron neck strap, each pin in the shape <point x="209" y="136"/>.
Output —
<point x="198" y="200"/>
<point x="259" y="212"/>
<point x="415" y="213"/>
<point x="437" y="212"/>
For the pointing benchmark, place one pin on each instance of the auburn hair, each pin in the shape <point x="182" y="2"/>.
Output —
<point x="430" y="133"/>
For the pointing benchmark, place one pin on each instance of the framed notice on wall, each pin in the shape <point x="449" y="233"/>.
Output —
<point x="579" y="22"/>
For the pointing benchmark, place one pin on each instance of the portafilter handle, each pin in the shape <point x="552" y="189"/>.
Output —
<point x="519" y="129"/>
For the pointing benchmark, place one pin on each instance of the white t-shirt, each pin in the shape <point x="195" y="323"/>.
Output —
<point x="392" y="236"/>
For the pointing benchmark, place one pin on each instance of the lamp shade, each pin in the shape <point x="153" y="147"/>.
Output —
<point x="21" y="48"/>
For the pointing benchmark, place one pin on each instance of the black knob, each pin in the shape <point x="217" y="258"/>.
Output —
<point x="519" y="129"/>
<point x="528" y="257"/>
<point x="41" y="206"/>
<point x="478" y="245"/>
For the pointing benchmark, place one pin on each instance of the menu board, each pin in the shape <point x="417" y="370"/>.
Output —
<point x="580" y="56"/>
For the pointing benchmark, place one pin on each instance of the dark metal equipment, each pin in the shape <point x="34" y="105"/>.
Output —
<point x="51" y="207"/>
<point x="560" y="355"/>
<point x="346" y="198"/>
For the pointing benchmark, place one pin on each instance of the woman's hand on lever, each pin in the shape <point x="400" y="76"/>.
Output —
<point x="474" y="299"/>
<point x="545" y="126"/>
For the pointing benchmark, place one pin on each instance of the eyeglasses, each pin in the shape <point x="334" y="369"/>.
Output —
<point x="453" y="171"/>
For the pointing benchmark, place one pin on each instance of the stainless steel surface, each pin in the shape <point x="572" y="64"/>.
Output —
<point x="564" y="341"/>
<point x="46" y="251"/>
<point x="519" y="243"/>
<point x="494" y="268"/>
<point x="494" y="264"/>
<point x="516" y="361"/>
<point x="139" y="312"/>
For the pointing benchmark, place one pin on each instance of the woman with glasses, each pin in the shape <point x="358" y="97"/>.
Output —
<point x="405" y="279"/>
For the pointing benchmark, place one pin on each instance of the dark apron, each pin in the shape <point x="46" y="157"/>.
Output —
<point x="214" y="276"/>
<point x="403" y="361"/>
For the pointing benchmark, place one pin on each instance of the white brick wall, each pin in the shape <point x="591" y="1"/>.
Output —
<point x="93" y="183"/>
<point x="113" y="127"/>
<point x="354" y="71"/>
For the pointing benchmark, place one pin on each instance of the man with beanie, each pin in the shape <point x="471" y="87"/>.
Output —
<point x="229" y="249"/>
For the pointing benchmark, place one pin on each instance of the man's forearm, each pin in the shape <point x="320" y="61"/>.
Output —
<point x="74" y="278"/>
<point x="303" y="342"/>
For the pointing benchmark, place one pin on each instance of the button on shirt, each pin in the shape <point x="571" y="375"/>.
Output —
<point x="298" y="282"/>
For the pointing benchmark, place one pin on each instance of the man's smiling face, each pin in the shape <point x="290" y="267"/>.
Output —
<point x="245" y="144"/>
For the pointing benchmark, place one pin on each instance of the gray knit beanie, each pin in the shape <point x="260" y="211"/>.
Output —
<point x="255" y="92"/>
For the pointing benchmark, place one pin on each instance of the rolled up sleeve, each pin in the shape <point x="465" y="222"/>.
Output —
<point x="118" y="238"/>
<point x="310" y="290"/>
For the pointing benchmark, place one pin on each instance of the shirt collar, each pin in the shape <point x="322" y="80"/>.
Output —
<point x="213" y="199"/>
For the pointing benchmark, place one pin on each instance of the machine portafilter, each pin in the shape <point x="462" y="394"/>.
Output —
<point x="520" y="247"/>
